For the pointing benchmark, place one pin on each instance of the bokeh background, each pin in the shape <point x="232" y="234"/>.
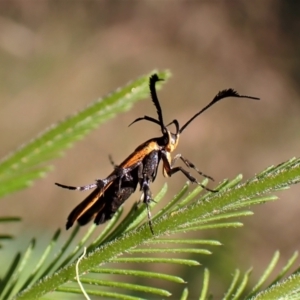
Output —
<point x="58" y="56"/>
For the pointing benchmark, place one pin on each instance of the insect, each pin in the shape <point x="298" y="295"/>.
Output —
<point x="140" y="167"/>
<point x="104" y="201"/>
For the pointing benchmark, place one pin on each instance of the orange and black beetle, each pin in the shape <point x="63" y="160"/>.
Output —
<point x="140" y="167"/>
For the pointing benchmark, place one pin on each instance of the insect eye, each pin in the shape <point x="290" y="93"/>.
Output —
<point x="173" y="139"/>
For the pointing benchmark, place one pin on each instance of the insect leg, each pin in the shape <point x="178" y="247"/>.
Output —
<point x="147" y="200"/>
<point x="112" y="161"/>
<point x="99" y="183"/>
<point x="189" y="164"/>
<point x="127" y="176"/>
<point x="124" y="173"/>
<point x="146" y="196"/>
<point x="79" y="188"/>
<point x="172" y="170"/>
<point x="119" y="172"/>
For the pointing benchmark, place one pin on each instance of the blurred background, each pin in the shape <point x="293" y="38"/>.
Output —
<point x="58" y="56"/>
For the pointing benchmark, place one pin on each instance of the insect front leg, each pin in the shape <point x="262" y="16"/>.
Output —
<point x="172" y="170"/>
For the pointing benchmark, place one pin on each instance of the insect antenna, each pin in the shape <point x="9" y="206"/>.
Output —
<point x="153" y="79"/>
<point x="221" y="95"/>
<point x="145" y="118"/>
<point x="175" y="122"/>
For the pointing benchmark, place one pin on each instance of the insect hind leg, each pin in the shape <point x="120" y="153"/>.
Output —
<point x="99" y="183"/>
<point x="78" y="188"/>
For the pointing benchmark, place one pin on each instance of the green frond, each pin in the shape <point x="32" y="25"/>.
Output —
<point x="186" y="241"/>
<point x="286" y="268"/>
<point x="185" y="294"/>
<point x="78" y="247"/>
<point x="285" y="289"/>
<point x="266" y="273"/>
<point x="242" y="286"/>
<point x="107" y="230"/>
<point x="223" y="216"/>
<point x="5" y="237"/>
<point x="124" y="245"/>
<point x="120" y="285"/>
<point x="189" y="197"/>
<point x="61" y="252"/>
<point x="187" y="262"/>
<point x="189" y="227"/>
<point x="173" y="202"/>
<point x="3" y="220"/>
<point x="232" y="286"/>
<point x="168" y="250"/>
<point x="38" y="267"/>
<point x="20" y="179"/>
<point x="138" y="273"/>
<point x="205" y="285"/>
<point x="100" y="294"/>
<point x="230" y="184"/>
<point x="8" y="276"/>
<point x="288" y="288"/>
<point x="9" y="219"/>
<point x="16" y="272"/>
<point x="255" y="201"/>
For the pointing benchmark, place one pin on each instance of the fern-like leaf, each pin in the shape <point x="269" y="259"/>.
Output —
<point x="210" y="208"/>
<point x="287" y="288"/>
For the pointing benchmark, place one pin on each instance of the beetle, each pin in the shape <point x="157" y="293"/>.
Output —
<point x="140" y="167"/>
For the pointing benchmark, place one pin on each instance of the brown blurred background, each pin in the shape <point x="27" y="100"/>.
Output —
<point x="58" y="56"/>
